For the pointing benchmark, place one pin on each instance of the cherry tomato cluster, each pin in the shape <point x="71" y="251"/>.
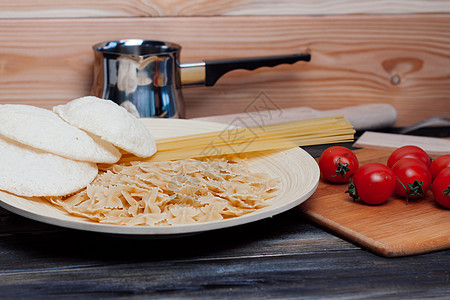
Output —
<point x="409" y="173"/>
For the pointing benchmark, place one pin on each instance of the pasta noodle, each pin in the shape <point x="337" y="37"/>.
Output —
<point x="250" y="139"/>
<point x="168" y="193"/>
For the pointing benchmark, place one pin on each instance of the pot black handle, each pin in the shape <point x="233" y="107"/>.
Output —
<point x="214" y="69"/>
<point x="207" y="72"/>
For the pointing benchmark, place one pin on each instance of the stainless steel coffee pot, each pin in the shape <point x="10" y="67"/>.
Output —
<point x="146" y="76"/>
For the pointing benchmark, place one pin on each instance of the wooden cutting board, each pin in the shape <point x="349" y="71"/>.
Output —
<point x="391" y="229"/>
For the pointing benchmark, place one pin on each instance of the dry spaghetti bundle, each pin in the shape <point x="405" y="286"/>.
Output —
<point x="286" y="135"/>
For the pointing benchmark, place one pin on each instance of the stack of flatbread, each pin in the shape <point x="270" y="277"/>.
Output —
<point x="54" y="153"/>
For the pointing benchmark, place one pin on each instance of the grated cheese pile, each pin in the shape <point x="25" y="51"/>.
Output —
<point x="172" y="192"/>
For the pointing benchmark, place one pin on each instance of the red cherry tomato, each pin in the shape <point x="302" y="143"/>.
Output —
<point x="373" y="183"/>
<point x="439" y="164"/>
<point x="441" y="188"/>
<point x="413" y="178"/>
<point x="337" y="164"/>
<point x="408" y="151"/>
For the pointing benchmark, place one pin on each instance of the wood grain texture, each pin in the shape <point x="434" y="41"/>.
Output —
<point x="281" y="257"/>
<point x="392" y="229"/>
<point x="399" y="60"/>
<point x="135" y="8"/>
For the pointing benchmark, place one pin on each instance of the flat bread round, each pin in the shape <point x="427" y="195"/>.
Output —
<point x="42" y="129"/>
<point x="30" y="172"/>
<point x="111" y="122"/>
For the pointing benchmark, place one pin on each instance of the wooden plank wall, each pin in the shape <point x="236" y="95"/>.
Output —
<point x="395" y="52"/>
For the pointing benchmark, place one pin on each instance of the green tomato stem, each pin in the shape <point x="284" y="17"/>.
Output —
<point x="341" y="169"/>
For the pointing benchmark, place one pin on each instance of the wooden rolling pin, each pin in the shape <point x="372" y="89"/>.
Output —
<point x="362" y="117"/>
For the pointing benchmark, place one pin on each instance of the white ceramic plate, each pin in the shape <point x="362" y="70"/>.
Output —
<point x="298" y="171"/>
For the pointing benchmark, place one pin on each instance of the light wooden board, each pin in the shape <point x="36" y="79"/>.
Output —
<point x="391" y="229"/>
<point x="135" y="8"/>
<point x="355" y="60"/>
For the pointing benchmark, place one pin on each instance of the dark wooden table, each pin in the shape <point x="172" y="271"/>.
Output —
<point x="282" y="257"/>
